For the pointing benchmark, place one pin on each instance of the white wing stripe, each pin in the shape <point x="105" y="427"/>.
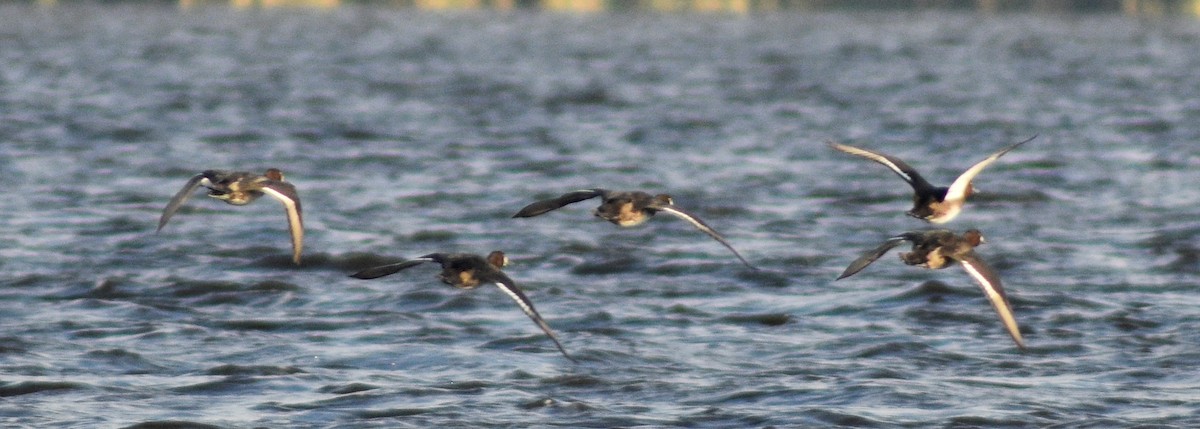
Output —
<point x="958" y="189"/>
<point x="998" y="302"/>
<point x="520" y="302"/>
<point x="528" y="309"/>
<point x="707" y="230"/>
<point x="295" y="226"/>
<point x="874" y="157"/>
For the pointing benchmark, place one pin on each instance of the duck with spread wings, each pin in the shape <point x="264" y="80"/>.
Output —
<point x="240" y="188"/>
<point x="626" y="209"/>
<point x="938" y="249"/>
<point x="468" y="271"/>
<point x="935" y="204"/>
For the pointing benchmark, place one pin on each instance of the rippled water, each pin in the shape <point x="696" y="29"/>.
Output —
<point x="412" y="132"/>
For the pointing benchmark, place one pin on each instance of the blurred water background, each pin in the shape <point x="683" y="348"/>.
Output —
<point x="410" y="130"/>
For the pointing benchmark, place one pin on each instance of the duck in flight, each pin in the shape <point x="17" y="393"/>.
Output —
<point x="467" y="271"/>
<point x="934" y="204"/>
<point x="937" y="249"/>
<point x="241" y="188"/>
<point x="627" y="208"/>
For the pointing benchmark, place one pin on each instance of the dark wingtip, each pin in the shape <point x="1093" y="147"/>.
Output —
<point x="385" y="270"/>
<point x="367" y="275"/>
<point x="744" y="262"/>
<point x="162" y="222"/>
<point x="525" y="212"/>
<point x="563" y="350"/>
<point x="1018" y="144"/>
<point x="851" y="270"/>
<point x="538" y="208"/>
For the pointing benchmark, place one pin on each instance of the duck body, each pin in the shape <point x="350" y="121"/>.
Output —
<point x="630" y="208"/>
<point x="238" y="188"/>
<point x="468" y="271"/>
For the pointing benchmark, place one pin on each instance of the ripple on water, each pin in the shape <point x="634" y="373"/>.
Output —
<point x="18" y="388"/>
<point x="412" y="132"/>
<point x="121" y="361"/>
<point x="282" y="325"/>
<point x="252" y="370"/>
<point x="345" y="389"/>
<point x="171" y="424"/>
<point x="764" y="319"/>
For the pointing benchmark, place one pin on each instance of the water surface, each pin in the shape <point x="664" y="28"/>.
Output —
<point x="411" y="132"/>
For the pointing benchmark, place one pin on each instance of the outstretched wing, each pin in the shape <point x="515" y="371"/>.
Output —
<point x="699" y="224"/>
<point x="901" y="169"/>
<point x="510" y="288"/>
<point x="544" y="206"/>
<point x="990" y="283"/>
<point x="871" y="256"/>
<point x="958" y="189"/>
<point x="389" y="269"/>
<point x="286" y="194"/>
<point x="180" y="198"/>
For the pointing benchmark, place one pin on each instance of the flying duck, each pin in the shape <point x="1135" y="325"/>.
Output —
<point x="241" y="188"/>
<point x="934" y="204"/>
<point x="467" y="271"/>
<point x="937" y="249"/>
<point x="627" y="208"/>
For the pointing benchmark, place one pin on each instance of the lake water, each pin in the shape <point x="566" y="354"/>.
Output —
<point x="410" y="132"/>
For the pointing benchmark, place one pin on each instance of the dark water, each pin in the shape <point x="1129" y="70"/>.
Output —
<point x="410" y="132"/>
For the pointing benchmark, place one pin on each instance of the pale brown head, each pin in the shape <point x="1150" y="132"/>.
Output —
<point x="974" y="237"/>
<point x="498" y="259"/>
<point x="274" y="174"/>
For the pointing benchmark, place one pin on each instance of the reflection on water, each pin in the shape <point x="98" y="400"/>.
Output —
<point x="1129" y="7"/>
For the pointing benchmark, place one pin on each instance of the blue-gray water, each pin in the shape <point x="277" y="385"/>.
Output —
<point x="412" y="132"/>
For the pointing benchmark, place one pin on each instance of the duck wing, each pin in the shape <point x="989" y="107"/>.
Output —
<point x="958" y="189"/>
<point x="389" y="269"/>
<point x="906" y="172"/>
<point x="871" y="256"/>
<point x="572" y="197"/>
<point x="510" y="288"/>
<point x="989" y="281"/>
<point x="703" y="227"/>
<point x="286" y="193"/>
<point x="180" y="197"/>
